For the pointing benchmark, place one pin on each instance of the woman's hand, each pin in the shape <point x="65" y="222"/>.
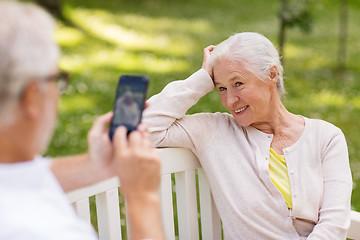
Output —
<point x="206" y="63"/>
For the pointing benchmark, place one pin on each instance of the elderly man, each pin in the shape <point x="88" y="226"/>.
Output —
<point x="32" y="200"/>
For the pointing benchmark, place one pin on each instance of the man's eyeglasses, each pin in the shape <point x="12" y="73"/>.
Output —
<point x="61" y="79"/>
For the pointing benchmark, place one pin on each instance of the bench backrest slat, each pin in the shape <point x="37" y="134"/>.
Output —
<point x="108" y="215"/>
<point x="186" y="204"/>
<point x="82" y="209"/>
<point x="167" y="211"/>
<point x="210" y="219"/>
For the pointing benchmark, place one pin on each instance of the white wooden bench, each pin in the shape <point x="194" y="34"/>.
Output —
<point x="183" y="165"/>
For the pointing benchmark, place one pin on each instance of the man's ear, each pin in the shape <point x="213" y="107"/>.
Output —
<point x="273" y="74"/>
<point x="31" y="100"/>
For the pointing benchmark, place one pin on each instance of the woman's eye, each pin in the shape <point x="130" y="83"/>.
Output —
<point x="221" y="89"/>
<point x="238" y="84"/>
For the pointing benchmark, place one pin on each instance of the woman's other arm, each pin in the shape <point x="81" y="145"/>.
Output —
<point x="334" y="214"/>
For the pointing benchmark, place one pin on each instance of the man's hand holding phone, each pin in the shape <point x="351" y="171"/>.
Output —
<point x="137" y="163"/>
<point x="131" y="156"/>
<point x="138" y="166"/>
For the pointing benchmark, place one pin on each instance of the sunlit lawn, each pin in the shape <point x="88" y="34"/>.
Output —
<point x="164" y="40"/>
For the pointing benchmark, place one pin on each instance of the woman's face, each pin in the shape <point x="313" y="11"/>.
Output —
<point x="245" y="96"/>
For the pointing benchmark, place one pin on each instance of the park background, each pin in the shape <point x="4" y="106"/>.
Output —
<point x="164" y="39"/>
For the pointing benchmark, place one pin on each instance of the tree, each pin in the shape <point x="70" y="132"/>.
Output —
<point x="294" y="13"/>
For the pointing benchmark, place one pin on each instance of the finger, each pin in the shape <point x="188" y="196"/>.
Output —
<point x="211" y="48"/>
<point x="105" y="118"/>
<point x="146" y="105"/>
<point x="135" y="140"/>
<point x="119" y="139"/>
<point x="143" y="129"/>
<point x="101" y="123"/>
<point x="207" y="53"/>
<point x="146" y="142"/>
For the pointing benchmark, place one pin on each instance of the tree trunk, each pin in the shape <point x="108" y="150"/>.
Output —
<point x="53" y="6"/>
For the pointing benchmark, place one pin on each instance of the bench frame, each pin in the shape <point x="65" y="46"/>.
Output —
<point x="180" y="165"/>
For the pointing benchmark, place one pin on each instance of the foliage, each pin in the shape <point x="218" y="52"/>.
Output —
<point x="297" y="13"/>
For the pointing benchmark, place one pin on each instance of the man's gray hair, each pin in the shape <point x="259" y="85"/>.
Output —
<point x="27" y="51"/>
<point x="255" y="50"/>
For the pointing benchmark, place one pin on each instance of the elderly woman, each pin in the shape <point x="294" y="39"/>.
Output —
<point x="273" y="174"/>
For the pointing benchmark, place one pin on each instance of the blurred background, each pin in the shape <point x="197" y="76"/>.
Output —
<point x="164" y="39"/>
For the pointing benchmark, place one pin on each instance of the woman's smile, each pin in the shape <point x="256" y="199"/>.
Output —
<point x="241" y="110"/>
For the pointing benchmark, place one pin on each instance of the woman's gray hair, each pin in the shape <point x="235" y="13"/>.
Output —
<point x="255" y="50"/>
<point x="27" y="51"/>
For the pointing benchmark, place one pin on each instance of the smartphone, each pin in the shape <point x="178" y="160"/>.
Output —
<point x="129" y="102"/>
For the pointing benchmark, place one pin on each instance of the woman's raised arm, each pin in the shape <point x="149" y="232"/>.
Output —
<point x="165" y="114"/>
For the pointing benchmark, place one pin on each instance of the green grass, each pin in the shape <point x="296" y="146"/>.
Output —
<point x="164" y="39"/>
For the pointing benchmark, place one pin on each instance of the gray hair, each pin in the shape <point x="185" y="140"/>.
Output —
<point x="254" y="49"/>
<point x="27" y="51"/>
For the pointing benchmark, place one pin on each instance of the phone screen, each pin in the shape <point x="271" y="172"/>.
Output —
<point x="129" y="102"/>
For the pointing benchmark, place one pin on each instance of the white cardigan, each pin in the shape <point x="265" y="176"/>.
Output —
<point x="235" y="160"/>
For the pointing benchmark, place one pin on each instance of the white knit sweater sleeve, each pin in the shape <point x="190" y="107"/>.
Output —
<point x="165" y="116"/>
<point x="334" y="213"/>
